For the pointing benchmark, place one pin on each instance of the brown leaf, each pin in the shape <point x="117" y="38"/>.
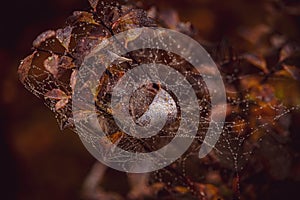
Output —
<point x="73" y="79"/>
<point x="181" y="189"/>
<point x="254" y="34"/>
<point x="56" y="94"/>
<point x="61" y="103"/>
<point x="152" y="12"/>
<point x="134" y="19"/>
<point x="43" y="37"/>
<point x="94" y="4"/>
<point x="64" y="36"/>
<point x="66" y="62"/>
<point x="170" y="18"/>
<point x="51" y="64"/>
<point x="116" y="137"/>
<point x="293" y="10"/>
<point x="25" y="66"/>
<point x="139" y="186"/>
<point x="287" y="51"/>
<point x="257" y="61"/>
<point x="82" y="16"/>
<point x="293" y="71"/>
<point x="54" y="62"/>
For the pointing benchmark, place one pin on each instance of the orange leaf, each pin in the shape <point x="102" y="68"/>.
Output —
<point x="181" y="189"/>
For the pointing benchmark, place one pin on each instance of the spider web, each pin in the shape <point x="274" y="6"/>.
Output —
<point x="253" y="110"/>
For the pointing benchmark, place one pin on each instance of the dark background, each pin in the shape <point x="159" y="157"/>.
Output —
<point x="38" y="161"/>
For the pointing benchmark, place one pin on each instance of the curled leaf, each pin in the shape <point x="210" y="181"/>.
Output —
<point x="43" y="37"/>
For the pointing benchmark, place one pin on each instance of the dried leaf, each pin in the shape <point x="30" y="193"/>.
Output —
<point x="131" y="36"/>
<point x="82" y="16"/>
<point x="181" y="189"/>
<point x="51" y="64"/>
<point x="61" y="103"/>
<point x="118" y="58"/>
<point x="66" y="62"/>
<point x="134" y="19"/>
<point x="139" y="186"/>
<point x="64" y="36"/>
<point x="257" y="61"/>
<point x="287" y="51"/>
<point x="278" y="40"/>
<point x="56" y="94"/>
<point x="73" y="79"/>
<point x="293" y="10"/>
<point x="25" y="66"/>
<point x="170" y="18"/>
<point x="94" y="4"/>
<point x="186" y="28"/>
<point x="254" y="34"/>
<point x="293" y="71"/>
<point x="152" y="12"/>
<point x="43" y="37"/>
<point x="116" y="137"/>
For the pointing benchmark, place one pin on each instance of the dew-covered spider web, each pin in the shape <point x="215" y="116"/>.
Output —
<point x="257" y="115"/>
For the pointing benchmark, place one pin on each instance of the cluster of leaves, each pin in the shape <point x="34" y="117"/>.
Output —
<point x="256" y="78"/>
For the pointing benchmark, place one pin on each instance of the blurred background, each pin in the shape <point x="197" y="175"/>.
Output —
<point x="39" y="161"/>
